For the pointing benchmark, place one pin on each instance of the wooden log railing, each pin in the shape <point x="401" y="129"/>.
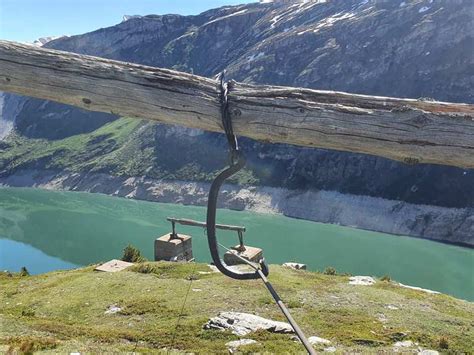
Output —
<point x="193" y="223"/>
<point x="413" y="131"/>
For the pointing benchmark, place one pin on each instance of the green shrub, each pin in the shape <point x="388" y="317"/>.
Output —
<point x="132" y="255"/>
<point x="192" y="277"/>
<point x="330" y="271"/>
<point x="28" y="312"/>
<point x="265" y="300"/>
<point x="294" y="304"/>
<point x="24" y="271"/>
<point x="145" y="269"/>
<point x="443" y="343"/>
<point x="30" y="345"/>
<point x="6" y="274"/>
<point x="386" y="278"/>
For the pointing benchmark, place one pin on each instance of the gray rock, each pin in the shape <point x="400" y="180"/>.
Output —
<point x="317" y="340"/>
<point x="295" y="266"/>
<point x="361" y="280"/>
<point x="403" y="344"/>
<point x="243" y="323"/>
<point x="233" y="345"/>
<point x="428" y="352"/>
<point x="112" y="309"/>
<point x="312" y="340"/>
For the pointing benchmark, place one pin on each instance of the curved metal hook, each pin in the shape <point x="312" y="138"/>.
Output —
<point x="238" y="162"/>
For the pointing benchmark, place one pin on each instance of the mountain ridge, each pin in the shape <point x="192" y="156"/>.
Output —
<point x="408" y="49"/>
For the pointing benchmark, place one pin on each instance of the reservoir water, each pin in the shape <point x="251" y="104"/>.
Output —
<point x="49" y="230"/>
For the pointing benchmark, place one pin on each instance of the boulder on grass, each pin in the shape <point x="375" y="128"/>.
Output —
<point x="243" y="323"/>
<point x="295" y="266"/>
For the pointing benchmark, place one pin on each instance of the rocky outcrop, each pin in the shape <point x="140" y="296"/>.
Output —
<point x="295" y="266"/>
<point x="317" y="340"/>
<point x="40" y="42"/>
<point x="10" y="107"/>
<point x="234" y="345"/>
<point x="242" y="324"/>
<point x="361" y="280"/>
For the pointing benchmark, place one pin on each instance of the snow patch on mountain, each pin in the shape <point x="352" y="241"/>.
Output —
<point x="241" y="12"/>
<point x="255" y="56"/>
<point x="125" y="18"/>
<point x="329" y="22"/>
<point x="275" y="20"/>
<point x="40" y="42"/>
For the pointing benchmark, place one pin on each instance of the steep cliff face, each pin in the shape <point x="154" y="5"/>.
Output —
<point x="10" y="107"/>
<point x="418" y="48"/>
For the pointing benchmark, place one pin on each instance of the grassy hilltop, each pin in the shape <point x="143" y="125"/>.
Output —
<point x="64" y="312"/>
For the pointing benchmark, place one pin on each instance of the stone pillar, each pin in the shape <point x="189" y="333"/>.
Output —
<point x="177" y="248"/>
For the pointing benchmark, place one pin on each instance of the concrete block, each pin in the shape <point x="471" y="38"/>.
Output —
<point x="113" y="266"/>
<point x="174" y="249"/>
<point x="251" y="253"/>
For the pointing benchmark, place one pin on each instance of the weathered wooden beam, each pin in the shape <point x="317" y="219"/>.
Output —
<point x="413" y="131"/>
<point x="193" y="223"/>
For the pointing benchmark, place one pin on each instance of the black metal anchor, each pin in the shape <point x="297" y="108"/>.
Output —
<point x="237" y="162"/>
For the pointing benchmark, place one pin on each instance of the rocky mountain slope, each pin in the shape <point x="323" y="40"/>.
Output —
<point x="417" y="48"/>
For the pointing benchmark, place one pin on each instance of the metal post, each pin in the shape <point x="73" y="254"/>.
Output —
<point x="241" y="247"/>
<point x="287" y="314"/>
<point x="173" y="233"/>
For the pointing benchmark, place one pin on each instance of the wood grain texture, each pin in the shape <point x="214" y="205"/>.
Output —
<point x="412" y="131"/>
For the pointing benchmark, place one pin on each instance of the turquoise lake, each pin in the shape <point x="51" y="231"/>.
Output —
<point x="50" y="230"/>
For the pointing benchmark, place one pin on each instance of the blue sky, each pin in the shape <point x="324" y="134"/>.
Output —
<point x="27" y="20"/>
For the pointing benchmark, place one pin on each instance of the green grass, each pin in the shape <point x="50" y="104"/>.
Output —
<point x="124" y="147"/>
<point x="94" y="150"/>
<point x="64" y="311"/>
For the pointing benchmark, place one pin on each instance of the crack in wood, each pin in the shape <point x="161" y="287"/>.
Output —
<point x="164" y="88"/>
<point x="418" y="143"/>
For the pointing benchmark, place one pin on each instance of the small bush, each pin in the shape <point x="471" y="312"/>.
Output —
<point x="145" y="269"/>
<point x="132" y="255"/>
<point x="293" y="304"/>
<point x="386" y="278"/>
<point x="30" y="345"/>
<point x="265" y="300"/>
<point x="6" y="274"/>
<point x="443" y="343"/>
<point x="24" y="271"/>
<point x="193" y="277"/>
<point x="330" y="271"/>
<point x="27" y="347"/>
<point x="28" y="313"/>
